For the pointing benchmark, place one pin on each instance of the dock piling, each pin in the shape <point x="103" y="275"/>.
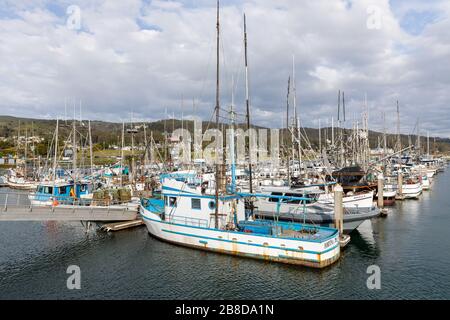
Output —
<point x="338" y="208"/>
<point x="399" y="186"/>
<point x="380" y="191"/>
<point x="344" y="239"/>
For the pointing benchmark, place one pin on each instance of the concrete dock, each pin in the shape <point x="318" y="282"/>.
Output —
<point x="28" y="213"/>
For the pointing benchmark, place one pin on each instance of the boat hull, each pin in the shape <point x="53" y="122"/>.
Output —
<point x="285" y="250"/>
<point x="363" y="200"/>
<point x="21" y="186"/>
<point x="353" y="218"/>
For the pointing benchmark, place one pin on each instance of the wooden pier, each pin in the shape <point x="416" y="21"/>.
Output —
<point x="122" y="225"/>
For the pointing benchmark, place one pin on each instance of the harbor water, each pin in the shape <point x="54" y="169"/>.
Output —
<point x="410" y="246"/>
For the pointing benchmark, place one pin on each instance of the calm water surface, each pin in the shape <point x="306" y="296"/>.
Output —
<point x="411" y="246"/>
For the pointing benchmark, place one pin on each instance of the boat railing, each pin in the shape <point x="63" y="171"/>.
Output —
<point x="189" y="221"/>
<point x="21" y="200"/>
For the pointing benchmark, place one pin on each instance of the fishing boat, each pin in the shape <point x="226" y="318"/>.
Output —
<point x="411" y="188"/>
<point x="188" y="214"/>
<point x="58" y="193"/>
<point x="389" y="196"/>
<point x="20" y="183"/>
<point x="312" y="211"/>
<point x="426" y="182"/>
<point x="362" y="199"/>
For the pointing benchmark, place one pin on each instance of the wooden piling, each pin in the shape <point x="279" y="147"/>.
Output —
<point x="338" y="208"/>
<point x="344" y="239"/>
<point x="399" y="186"/>
<point x="380" y="191"/>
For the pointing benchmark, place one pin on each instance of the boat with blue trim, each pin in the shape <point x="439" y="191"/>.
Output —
<point x="185" y="215"/>
<point x="207" y="213"/>
<point x="60" y="192"/>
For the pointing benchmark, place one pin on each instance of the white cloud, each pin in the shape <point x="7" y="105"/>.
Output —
<point x="146" y="56"/>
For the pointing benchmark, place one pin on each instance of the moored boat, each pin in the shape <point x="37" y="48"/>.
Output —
<point x="186" y="216"/>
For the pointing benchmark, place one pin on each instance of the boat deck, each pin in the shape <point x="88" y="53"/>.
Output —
<point x="290" y="230"/>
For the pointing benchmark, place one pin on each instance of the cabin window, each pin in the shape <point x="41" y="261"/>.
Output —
<point x="83" y="188"/>
<point x="165" y="201"/>
<point x="296" y="201"/>
<point x="196" y="204"/>
<point x="212" y="205"/>
<point x="172" y="201"/>
<point x="47" y="190"/>
<point x="275" y="194"/>
<point x="63" y="190"/>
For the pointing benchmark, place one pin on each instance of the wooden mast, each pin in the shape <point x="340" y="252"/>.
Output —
<point x="55" y="159"/>
<point x="91" y="153"/>
<point x="287" y="130"/>
<point x="399" y="141"/>
<point x="247" y="103"/>
<point x="216" y="212"/>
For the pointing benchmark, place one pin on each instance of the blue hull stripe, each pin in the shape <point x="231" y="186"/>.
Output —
<point x="251" y="244"/>
<point x="237" y="232"/>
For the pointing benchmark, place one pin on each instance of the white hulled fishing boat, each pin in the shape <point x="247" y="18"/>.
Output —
<point x="189" y="214"/>
<point x="186" y="216"/>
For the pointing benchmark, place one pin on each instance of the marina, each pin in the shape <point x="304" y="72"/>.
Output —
<point x="406" y="245"/>
<point x="254" y="191"/>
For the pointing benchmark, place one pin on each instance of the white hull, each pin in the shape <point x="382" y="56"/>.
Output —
<point x="409" y="191"/>
<point x="287" y="250"/>
<point x="426" y="185"/>
<point x="364" y="200"/>
<point x="21" y="186"/>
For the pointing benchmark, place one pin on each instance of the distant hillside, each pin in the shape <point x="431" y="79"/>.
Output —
<point x="108" y="133"/>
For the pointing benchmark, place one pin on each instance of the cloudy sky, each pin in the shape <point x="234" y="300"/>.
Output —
<point x="148" y="58"/>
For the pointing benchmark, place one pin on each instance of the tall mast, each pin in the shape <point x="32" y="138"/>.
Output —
<point x="146" y="148"/>
<point x="25" y="153"/>
<point x="34" y="149"/>
<point x="165" y="137"/>
<point x="151" y="147"/>
<point x="339" y="131"/>
<point x="232" y="148"/>
<point x="399" y="141"/>
<point x="55" y="159"/>
<point x="344" y="159"/>
<point x="91" y="155"/>
<point x="216" y="213"/>
<point x="297" y="119"/>
<point x="384" y="135"/>
<point x="121" y="154"/>
<point x="418" y="137"/>
<point x="74" y="151"/>
<point x="18" y="146"/>
<point x="332" y="131"/>
<point x="287" y="129"/>
<point x="247" y="103"/>
<point x="320" y="138"/>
